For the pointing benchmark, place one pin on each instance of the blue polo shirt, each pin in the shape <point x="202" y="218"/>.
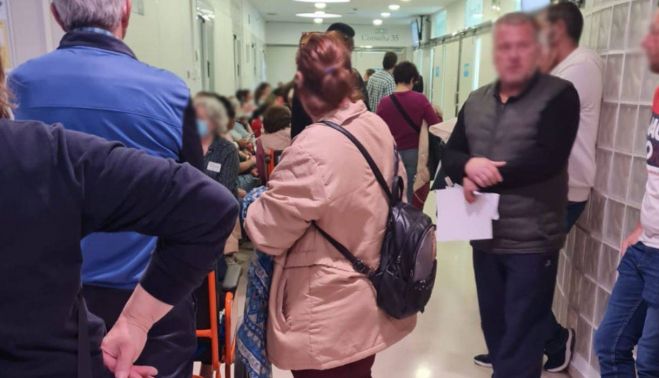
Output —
<point x="94" y="84"/>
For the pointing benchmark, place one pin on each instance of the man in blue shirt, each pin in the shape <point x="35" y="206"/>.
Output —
<point x="93" y="83"/>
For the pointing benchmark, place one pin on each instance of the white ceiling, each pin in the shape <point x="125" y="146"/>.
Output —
<point x="358" y="12"/>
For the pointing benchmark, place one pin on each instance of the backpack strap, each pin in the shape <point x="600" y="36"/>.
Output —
<point x="358" y="265"/>
<point x="402" y="112"/>
<point x="374" y="167"/>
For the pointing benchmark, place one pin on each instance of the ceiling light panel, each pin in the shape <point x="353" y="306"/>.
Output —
<point x="318" y="14"/>
<point x="324" y="1"/>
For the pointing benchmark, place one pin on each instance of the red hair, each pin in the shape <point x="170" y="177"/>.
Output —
<point x="324" y="78"/>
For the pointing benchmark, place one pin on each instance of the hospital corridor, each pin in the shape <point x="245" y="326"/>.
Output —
<point x="329" y="188"/>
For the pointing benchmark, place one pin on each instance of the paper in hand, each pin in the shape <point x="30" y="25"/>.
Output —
<point x="459" y="220"/>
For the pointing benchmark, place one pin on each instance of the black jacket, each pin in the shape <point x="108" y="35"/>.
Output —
<point x="534" y="134"/>
<point x="59" y="186"/>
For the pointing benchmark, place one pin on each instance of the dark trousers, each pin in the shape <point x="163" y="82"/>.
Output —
<point x="359" y="369"/>
<point x="515" y="294"/>
<point x="171" y="342"/>
<point x="556" y="333"/>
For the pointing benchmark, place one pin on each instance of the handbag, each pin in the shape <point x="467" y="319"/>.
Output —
<point x="421" y="183"/>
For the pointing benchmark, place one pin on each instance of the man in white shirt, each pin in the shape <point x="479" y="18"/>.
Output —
<point x="562" y="25"/>
<point x="382" y="84"/>
<point x="632" y="316"/>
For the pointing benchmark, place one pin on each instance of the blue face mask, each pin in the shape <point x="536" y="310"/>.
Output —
<point x="202" y="128"/>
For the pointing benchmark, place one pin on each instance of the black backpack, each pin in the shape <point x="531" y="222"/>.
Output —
<point x="406" y="275"/>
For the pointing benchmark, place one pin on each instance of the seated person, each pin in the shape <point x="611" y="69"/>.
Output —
<point x="248" y="178"/>
<point x="277" y="127"/>
<point x="243" y="135"/>
<point x="221" y="158"/>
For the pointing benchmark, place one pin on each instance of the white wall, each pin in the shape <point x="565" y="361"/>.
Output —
<point x="250" y="28"/>
<point x="280" y="63"/>
<point x="163" y="37"/>
<point x="225" y="78"/>
<point x="288" y="33"/>
<point x="283" y="38"/>
<point x="32" y="31"/>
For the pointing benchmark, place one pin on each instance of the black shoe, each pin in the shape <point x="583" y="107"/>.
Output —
<point x="560" y="360"/>
<point x="483" y="360"/>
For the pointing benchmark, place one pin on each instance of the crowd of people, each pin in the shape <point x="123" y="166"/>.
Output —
<point x="116" y="213"/>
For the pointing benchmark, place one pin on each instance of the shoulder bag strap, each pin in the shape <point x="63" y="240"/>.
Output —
<point x="374" y="167"/>
<point x="402" y="111"/>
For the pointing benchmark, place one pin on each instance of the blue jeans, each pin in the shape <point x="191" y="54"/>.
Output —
<point x="410" y="161"/>
<point x="632" y="318"/>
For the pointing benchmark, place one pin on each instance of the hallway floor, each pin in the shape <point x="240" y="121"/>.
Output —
<point x="448" y="333"/>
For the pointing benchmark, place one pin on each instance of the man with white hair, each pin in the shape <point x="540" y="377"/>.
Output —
<point x="93" y="83"/>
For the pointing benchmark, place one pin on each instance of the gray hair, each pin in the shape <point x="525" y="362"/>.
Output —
<point x="216" y="112"/>
<point x="519" y="18"/>
<point x="104" y="14"/>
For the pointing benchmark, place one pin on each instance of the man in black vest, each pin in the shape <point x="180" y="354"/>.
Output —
<point x="514" y="138"/>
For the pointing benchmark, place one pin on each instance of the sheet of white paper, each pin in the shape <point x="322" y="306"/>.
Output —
<point x="459" y="220"/>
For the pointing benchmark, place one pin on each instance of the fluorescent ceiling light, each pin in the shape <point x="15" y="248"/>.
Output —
<point x="394" y="7"/>
<point x="385" y="14"/>
<point x="367" y="47"/>
<point x="320" y="5"/>
<point x="318" y="20"/>
<point x="377" y="22"/>
<point x="318" y="14"/>
<point x="324" y="1"/>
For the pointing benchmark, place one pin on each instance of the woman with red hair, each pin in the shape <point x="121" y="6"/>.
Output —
<point x="323" y="318"/>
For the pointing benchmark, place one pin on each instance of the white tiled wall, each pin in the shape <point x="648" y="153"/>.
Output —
<point x="587" y="269"/>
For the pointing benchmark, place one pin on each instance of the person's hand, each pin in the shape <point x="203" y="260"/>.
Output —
<point x="484" y="172"/>
<point x="469" y="188"/>
<point x="122" y="346"/>
<point x="631" y="239"/>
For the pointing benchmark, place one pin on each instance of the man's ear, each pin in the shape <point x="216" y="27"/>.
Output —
<point x="125" y="17"/>
<point x="58" y="19"/>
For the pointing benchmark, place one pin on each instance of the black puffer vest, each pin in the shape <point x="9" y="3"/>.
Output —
<point x="532" y="218"/>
